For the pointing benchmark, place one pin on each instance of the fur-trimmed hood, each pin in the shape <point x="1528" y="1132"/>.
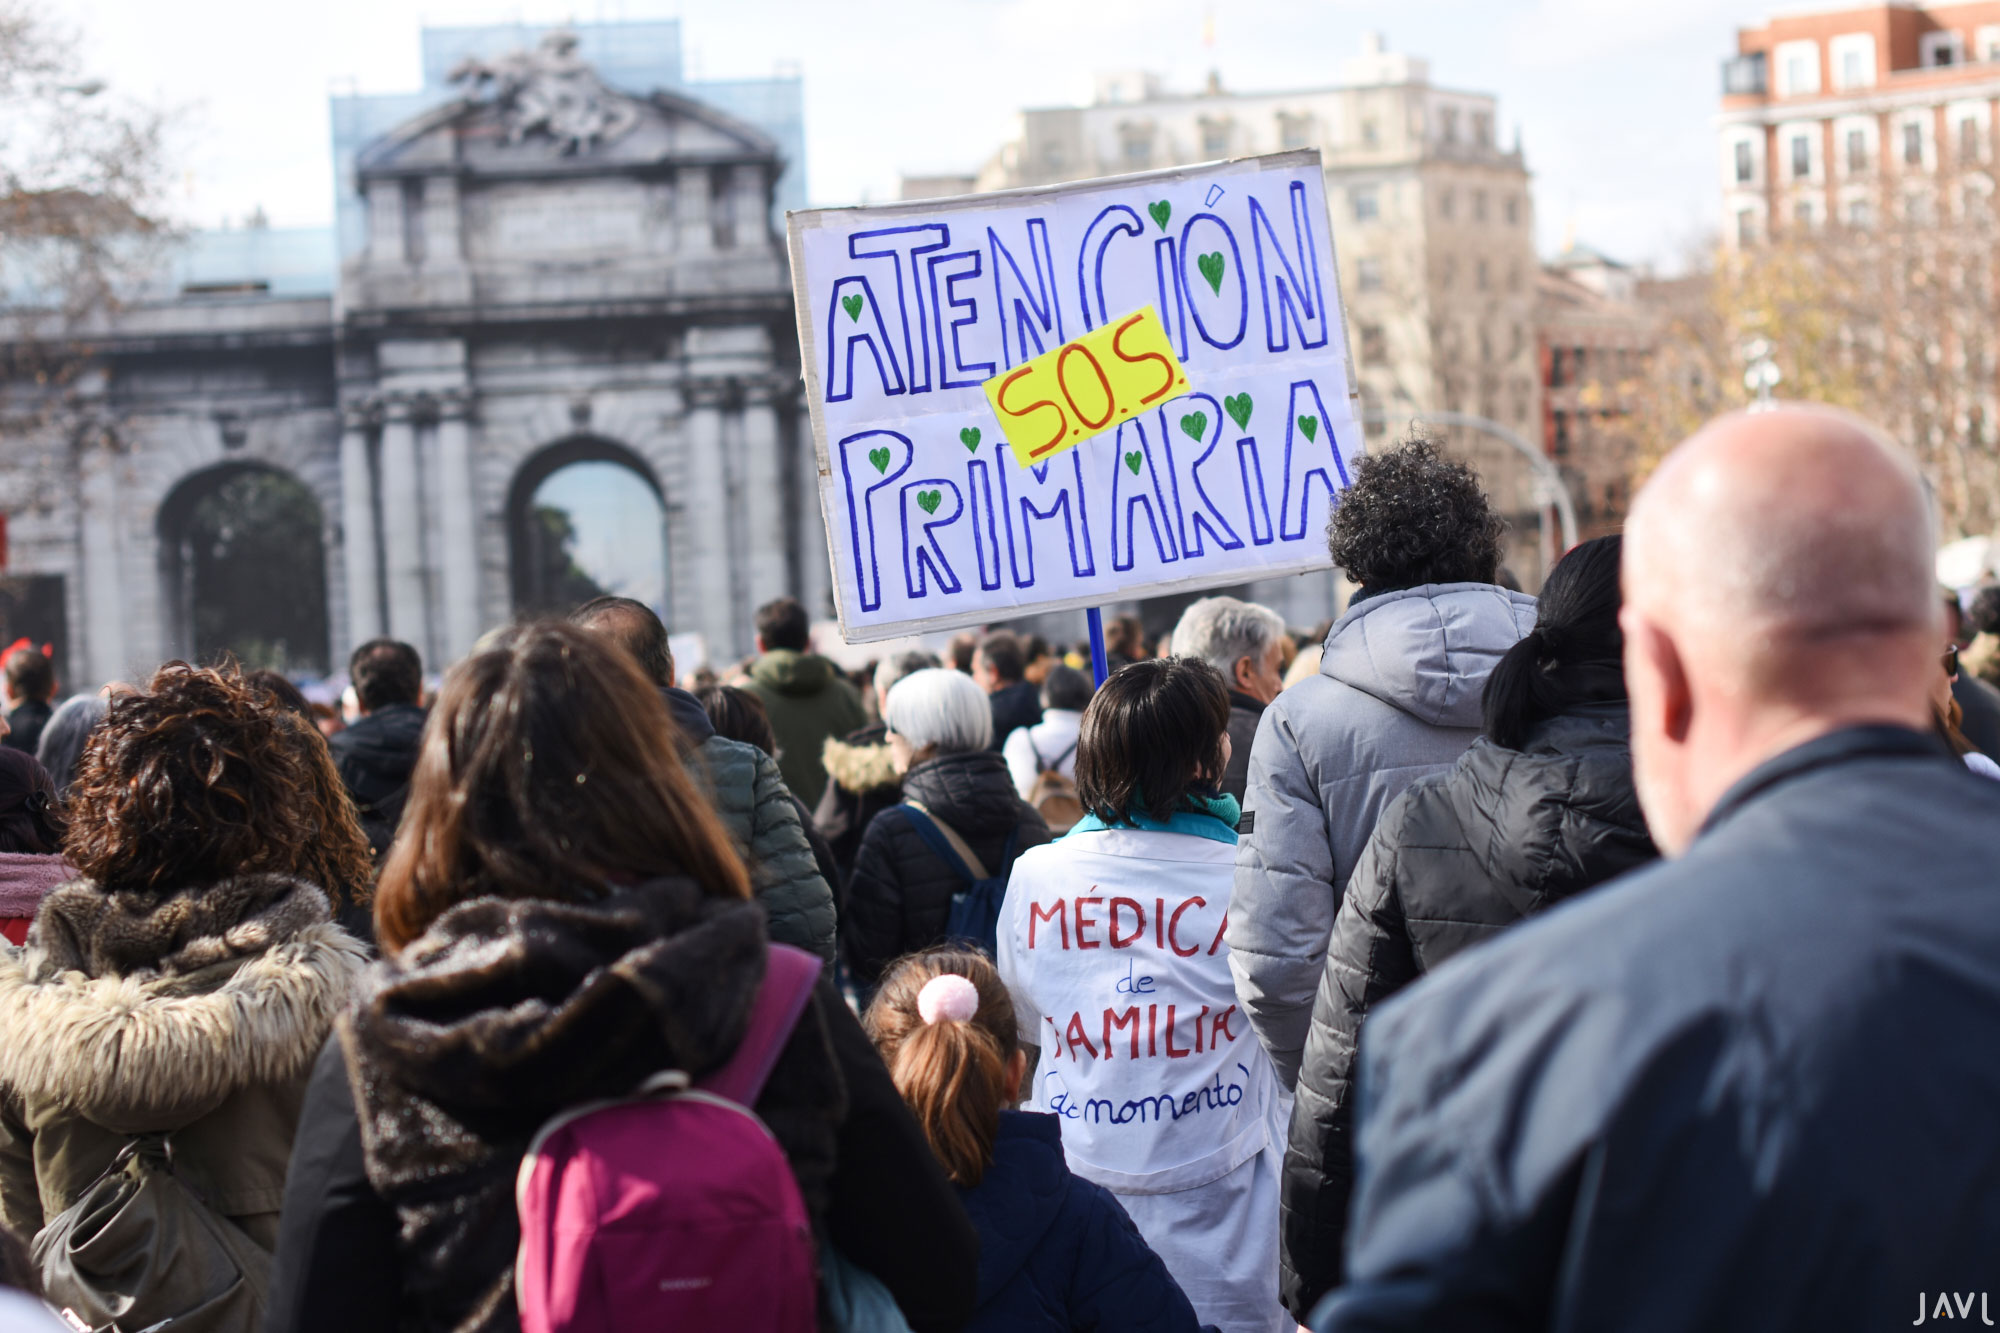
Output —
<point x="145" y="1012"/>
<point x="859" y="768"/>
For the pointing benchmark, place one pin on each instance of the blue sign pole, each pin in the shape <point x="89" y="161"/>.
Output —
<point x="1098" y="666"/>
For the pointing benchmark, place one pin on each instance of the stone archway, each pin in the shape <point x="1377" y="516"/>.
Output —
<point x="586" y="516"/>
<point x="243" y="569"/>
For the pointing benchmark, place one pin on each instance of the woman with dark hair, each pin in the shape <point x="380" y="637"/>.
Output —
<point x="172" y="997"/>
<point x="1541" y="808"/>
<point x="30" y="842"/>
<point x="1111" y="946"/>
<point x="563" y="916"/>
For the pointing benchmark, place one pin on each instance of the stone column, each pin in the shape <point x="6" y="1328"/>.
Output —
<point x="815" y="573"/>
<point x="402" y="525"/>
<point x="104" y="584"/>
<point x="458" y="527"/>
<point x="764" y="489"/>
<point x="358" y="537"/>
<point x="707" y="510"/>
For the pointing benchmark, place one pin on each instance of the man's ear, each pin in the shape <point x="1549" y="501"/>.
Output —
<point x="1669" y="691"/>
<point x="1243" y="673"/>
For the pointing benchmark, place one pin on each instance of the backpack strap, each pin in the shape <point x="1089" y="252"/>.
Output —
<point x="789" y="977"/>
<point x="1059" y="758"/>
<point x="943" y="839"/>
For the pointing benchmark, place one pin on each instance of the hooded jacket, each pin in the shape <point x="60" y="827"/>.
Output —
<point x="807" y="702"/>
<point x="899" y="897"/>
<point x="400" y="1210"/>
<point x="763" y="818"/>
<point x="375" y="757"/>
<point x="195" y="1013"/>
<point x="1397" y="698"/>
<point x="1058" y="1253"/>
<point x="1747" y="1089"/>
<point x="1455" y="860"/>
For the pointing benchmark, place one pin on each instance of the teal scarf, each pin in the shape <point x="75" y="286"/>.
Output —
<point x="1211" y="817"/>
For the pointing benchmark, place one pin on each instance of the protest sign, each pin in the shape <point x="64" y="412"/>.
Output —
<point x="1067" y="395"/>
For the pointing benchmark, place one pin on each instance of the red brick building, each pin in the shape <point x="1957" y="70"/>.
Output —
<point x="1835" y="115"/>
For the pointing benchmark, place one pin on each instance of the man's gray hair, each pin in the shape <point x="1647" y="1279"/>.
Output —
<point x="942" y="708"/>
<point x="1222" y="630"/>
<point x="898" y="665"/>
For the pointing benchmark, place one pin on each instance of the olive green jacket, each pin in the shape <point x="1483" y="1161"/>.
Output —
<point x="197" y="1014"/>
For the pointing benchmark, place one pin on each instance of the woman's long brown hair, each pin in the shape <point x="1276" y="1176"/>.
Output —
<point x="549" y="769"/>
<point x="953" y="1075"/>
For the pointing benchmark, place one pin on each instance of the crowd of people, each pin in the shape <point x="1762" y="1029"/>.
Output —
<point x="1204" y="996"/>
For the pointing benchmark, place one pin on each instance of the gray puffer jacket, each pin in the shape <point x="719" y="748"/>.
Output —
<point x="757" y="808"/>
<point x="1397" y="698"/>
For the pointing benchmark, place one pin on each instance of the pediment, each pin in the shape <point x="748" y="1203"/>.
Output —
<point x="577" y="127"/>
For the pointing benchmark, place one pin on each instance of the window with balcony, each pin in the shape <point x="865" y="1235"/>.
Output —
<point x="1513" y="210"/>
<point x="1746" y="164"/>
<point x="1802" y="212"/>
<point x="1970" y="132"/>
<point x="1859" y="215"/>
<point x="1449" y="276"/>
<point x="1294" y="131"/>
<point x="1448" y="125"/>
<point x="1482" y="128"/>
<point x="1364" y="202"/>
<point x="1986" y="42"/>
<point x="1801" y="156"/>
<point x="1479" y="205"/>
<point x="1371" y="132"/>
<point x="1479" y="278"/>
<point x="1744" y="75"/>
<point x="1913" y="143"/>
<point x="1447" y="203"/>
<point x="1746" y="226"/>
<point x="1938" y="49"/>
<point x="1215" y="138"/>
<point x="1368" y="275"/>
<point x="1857" y="151"/>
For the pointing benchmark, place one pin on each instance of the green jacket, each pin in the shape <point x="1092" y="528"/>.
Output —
<point x="807" y="702"/>
<point x="198" y="1014"/>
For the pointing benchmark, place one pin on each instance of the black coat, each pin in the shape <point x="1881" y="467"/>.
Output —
<point x="417" y="1230"/>
<point x="899" y="897"/>
<point x="861" y="782"/>
<point x="1456" y="859"/>
<point x="1245" y="713"/>
<point x="25" y="725"/>
<point x="374" y="757"/>
<point x="1749" y="1088"/>
<point x="1015" y="705"/>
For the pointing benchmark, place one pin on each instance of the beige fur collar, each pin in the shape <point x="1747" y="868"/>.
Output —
<point x="859" y="768"/>
<point x="156" y="1051"/>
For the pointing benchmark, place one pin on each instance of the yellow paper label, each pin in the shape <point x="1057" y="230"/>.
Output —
<point x="1087" y="386"/>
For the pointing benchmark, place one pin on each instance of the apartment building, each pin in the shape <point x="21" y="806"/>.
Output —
<point x="1835" y="115"/>
<point x="1432" y="217"/>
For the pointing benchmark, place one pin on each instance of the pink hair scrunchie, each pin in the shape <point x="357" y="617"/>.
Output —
<point x="948" y="996"/>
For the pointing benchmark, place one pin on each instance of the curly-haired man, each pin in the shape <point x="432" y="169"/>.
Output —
<point x="1397" y="697"/>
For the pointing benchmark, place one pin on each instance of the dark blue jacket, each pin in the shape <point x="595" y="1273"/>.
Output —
<point x="1057" y="1252"/>
<point x="1753" y="1088"/>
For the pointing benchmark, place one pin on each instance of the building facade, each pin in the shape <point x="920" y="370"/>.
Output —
<point x="1839" y="114"/>
<point x="1594" y="334"/>
<point x="551" y="273"/>
<point x="1432" y="217"/>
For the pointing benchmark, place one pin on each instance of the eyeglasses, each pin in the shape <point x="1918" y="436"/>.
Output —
<point x="1950" y="660"/>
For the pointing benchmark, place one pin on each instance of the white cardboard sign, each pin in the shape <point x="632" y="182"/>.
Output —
<point x="906" y="311"/>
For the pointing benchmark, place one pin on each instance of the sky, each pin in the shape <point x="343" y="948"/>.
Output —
<point x="1614" y="99"/>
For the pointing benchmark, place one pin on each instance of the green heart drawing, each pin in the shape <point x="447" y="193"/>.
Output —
<point x="1310" y="425"/>
<point x="1239" y="408"/>
<point x="880" y="458"/>
<point x="930" y="500"/>
<point x="852" y="305"/>
<point x="1133" y="460"/>
<point x="1195" y="424"/>
<point x="1212" y="266"/>
<point x="1161" y="211"/>
<point x="969" y="437"/>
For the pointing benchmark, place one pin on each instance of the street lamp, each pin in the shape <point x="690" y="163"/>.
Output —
<point x="1760" y="373"/>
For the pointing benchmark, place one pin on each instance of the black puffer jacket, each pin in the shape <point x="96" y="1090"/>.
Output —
<point x="899" y="896"/>
<point x="375" y="757"/>
<point x="1456" y="859"/>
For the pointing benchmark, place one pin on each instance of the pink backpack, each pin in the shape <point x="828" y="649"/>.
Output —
<point x="673" y="1208"/>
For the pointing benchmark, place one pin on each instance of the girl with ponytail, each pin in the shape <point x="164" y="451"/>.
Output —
<point x="1541" y="808"/>
<point x="1056" y="1252"/>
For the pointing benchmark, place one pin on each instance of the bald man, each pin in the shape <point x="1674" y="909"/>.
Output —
<point x="1758" y="1085"/>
